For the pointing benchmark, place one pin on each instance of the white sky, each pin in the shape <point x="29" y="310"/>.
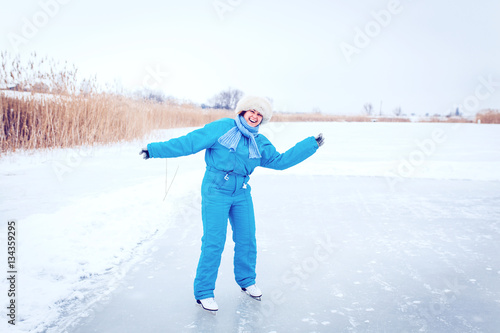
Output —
<point x="428" y="56"/>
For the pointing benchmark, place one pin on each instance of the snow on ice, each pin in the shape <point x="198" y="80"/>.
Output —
<point x="389" y="227"/>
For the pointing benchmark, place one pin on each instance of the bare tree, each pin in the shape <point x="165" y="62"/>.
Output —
<point x="368" y="108"/>
<point x="150" y="94"/>
<point x="397" y="111"/>
<point x="226" y="99"/>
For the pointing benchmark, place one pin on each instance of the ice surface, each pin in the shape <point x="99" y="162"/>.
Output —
<point x="389" y="227"/>
<point x="359" y="260"/>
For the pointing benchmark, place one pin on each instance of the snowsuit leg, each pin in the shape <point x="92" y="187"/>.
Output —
<point x="215" y="211"/>
<point x="241" y="217"/>
<point x="223" y="198"/>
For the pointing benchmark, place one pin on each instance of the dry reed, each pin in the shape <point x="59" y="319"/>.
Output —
<point x="67" y="121"/>
<point x="488" y="117"/>
<point x="48" y="106"/>
<point x="320" y="117"/>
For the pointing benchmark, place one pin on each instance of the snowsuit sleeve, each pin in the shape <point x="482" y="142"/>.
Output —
<point x="188" y="144"/>
<point x="274" y="160"/>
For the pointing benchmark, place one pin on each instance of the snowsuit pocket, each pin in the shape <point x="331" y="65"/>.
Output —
<point x="213" y="181"/>
<point x="219" y="182"/>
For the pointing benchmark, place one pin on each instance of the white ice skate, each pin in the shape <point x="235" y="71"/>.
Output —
<point x="253" y="291"/>
<point x="208" y="304"/>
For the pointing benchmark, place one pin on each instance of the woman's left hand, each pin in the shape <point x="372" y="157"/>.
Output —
<point x="320" y="140"/>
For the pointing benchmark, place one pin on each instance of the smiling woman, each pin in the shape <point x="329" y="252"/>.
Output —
<point x="233" y="149"/>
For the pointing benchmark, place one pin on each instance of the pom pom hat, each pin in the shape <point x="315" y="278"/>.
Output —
<point x="259" y="104"/>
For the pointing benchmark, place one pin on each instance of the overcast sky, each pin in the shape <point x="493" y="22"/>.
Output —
<point x="422" y="55"/>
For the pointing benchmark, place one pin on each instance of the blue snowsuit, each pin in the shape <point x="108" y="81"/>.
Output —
<point x="226" y="195"/>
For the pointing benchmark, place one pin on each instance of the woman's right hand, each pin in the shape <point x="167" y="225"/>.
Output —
<point x="145" y="153"/>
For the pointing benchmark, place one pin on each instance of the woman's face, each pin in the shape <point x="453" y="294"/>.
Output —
<point x="253" y="118"/>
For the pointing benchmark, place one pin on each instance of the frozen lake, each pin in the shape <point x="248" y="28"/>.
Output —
<point x="388" y="228"/>
<point x="343" y="256"/>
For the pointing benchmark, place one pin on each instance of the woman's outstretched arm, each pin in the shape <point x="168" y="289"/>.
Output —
<point x="272" y="159"/>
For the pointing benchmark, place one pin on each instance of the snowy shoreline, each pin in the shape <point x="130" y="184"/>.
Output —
<point x="87" y="216"/>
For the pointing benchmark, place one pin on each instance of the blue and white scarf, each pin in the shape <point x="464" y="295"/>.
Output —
<point x="232" y="137"/>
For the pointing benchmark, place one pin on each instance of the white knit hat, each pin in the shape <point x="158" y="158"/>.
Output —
<point x="260" y="104"/>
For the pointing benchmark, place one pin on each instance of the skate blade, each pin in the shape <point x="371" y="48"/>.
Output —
<point x="257" y="298"/>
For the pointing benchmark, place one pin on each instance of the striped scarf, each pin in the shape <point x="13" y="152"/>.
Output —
<point x="232" y="137"/>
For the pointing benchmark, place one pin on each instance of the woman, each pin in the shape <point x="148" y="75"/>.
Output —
<point x="233" y="149"/>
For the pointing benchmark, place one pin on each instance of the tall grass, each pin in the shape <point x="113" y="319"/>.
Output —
<point x="42" y="74"/>
<point x="488" y="117"/>
<point x="66" y="121"/>
<point x="319" y="117"/>
<point x="51" y="107"/>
